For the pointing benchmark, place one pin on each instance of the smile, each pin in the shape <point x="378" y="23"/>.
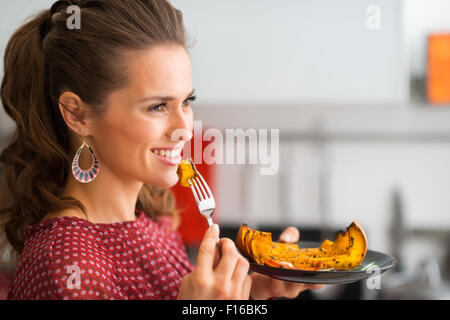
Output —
<point x="168" y="156"/>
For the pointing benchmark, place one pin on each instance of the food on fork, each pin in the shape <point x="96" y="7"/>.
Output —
<point x="345" y="253"/>
<point x="185" y="171"/>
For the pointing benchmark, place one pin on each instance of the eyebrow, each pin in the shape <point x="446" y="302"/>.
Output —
<point x="165" y="98"/>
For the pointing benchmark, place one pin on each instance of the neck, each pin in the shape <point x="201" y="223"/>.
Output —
<point x="108" y="198"/>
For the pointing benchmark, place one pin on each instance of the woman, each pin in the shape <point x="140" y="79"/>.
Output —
<point x="118" y="88"/>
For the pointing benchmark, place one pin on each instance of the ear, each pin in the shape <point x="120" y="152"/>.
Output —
<point x="74" y="112"/>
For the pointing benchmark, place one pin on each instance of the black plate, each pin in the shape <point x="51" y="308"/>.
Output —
<point x="382" y="260"/>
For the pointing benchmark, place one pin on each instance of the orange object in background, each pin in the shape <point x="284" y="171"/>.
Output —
<point x="193" y="225"/>
<point x="438" y="80"/>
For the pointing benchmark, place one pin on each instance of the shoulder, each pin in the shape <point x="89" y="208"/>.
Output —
<point x="58" y="255"/>
<point x="166" y="224"/>
<point x="63" y="241"/>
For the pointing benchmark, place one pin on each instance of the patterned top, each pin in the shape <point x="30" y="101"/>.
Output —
<point x="72" y="258"/>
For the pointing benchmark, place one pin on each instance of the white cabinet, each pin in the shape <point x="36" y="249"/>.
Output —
<point x="289" y="52"/>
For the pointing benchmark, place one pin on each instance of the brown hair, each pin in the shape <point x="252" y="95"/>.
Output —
<point x="44" y="58"/>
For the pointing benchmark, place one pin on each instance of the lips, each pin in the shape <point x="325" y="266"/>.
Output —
<point x="170" y="154"/>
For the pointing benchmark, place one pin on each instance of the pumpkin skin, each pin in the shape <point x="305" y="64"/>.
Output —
<point x="345" y="253"/>
<point x="184" y="172"/>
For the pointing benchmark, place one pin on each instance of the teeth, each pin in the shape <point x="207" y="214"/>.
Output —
<point x="176" y="153"/>
<point x="167" y="153"/>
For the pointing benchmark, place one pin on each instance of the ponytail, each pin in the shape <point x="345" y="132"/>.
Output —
<point x="34" y="162"/>
<point x="25" y="69"/>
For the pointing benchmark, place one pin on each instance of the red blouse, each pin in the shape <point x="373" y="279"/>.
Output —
<point x="72" y="258"/>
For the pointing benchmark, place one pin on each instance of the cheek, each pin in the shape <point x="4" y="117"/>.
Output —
<point x="127" y="140"/>
<point x="191" y="119"/>
<point x="141" y="135"/>
<point x="189" y="122"/>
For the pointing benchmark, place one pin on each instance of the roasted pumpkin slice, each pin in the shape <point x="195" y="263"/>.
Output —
<point x="185" y="172"/>
<point x="260" y="246"/>
<point x="248" y="240"/>
<point x="345" y="253"/>
<point x="326" y="244"/>
<point x="241" y="242"/>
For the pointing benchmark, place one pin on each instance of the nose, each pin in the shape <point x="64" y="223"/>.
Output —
<point x="181" y="126"/>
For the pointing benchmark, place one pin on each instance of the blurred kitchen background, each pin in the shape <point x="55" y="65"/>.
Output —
<point x="360" y="93"/>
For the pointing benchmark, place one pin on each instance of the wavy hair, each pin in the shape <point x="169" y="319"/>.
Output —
<point x="43" y="58"/>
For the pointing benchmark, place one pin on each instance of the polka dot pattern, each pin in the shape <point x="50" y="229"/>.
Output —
<point x="71" y="258"/>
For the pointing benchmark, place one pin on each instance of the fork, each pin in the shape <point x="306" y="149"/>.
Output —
<point x="202" y="194"/>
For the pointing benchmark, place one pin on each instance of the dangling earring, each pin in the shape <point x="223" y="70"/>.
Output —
<point x="85" y="176"/>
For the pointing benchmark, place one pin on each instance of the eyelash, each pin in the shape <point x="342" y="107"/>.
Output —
<point x="155" y="108"/>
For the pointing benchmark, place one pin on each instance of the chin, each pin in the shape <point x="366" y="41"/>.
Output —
<point x="165" y="182"/>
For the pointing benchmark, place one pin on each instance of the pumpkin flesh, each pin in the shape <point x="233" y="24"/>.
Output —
<point x="345" y="253"/>
<point x="185" y="172"/>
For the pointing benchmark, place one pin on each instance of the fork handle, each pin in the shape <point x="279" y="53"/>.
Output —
<point x="210" y="222"/>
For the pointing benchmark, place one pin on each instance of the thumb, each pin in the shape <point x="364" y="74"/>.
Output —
<point x="290" y="235"/>
<point x="207" y="249"/>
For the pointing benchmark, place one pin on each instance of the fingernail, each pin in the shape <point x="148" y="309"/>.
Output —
<point x="287" y="238"/>
<point x="215" y="228"/>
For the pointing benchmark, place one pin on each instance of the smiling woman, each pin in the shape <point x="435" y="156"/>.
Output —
<point x="122" y="86"/>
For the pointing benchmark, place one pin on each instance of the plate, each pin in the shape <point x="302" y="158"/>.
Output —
<point x="382" y="261"/>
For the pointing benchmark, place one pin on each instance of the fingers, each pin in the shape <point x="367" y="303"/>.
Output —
<point x="241" y="279"/>
<point x="217" y="256"/>
<point x="241" y="270"/>
<point x="290" y="235"/>
<point x="287" y="289"/>
<point x="229" y="280"/>
<point x="228" y="259"/>
<point x="207" y="249"/>
<point x="314" y="286"/>
<point x="292" y="289"/>
<point x="231" y="274"/>
<point x="246" y="287"/>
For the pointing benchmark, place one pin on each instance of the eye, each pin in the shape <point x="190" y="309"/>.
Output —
<point x="188" y="102"/>
<point x="158" y="108"/>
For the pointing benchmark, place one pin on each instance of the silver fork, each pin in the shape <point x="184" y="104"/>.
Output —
<point x="202" y="194"/>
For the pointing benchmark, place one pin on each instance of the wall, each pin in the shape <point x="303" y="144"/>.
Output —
<point x="265" y="52"/>
<point x="13" y="15"/>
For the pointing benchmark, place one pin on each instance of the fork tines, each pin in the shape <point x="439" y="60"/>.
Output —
<point x="206" y="192"/>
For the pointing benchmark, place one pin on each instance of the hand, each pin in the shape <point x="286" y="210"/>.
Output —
<point x="225" y="280"/>
<point x="264" y="287"/>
